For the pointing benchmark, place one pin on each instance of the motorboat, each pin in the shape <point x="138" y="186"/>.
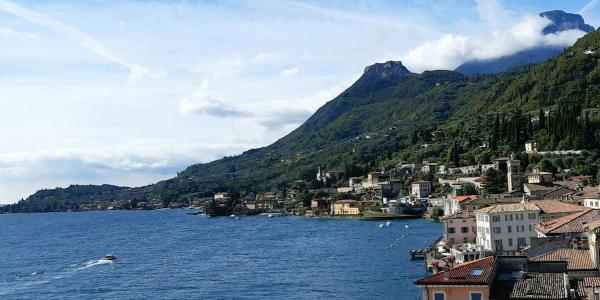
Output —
<point x="109" y="257"/>
<point x="381" y="226"/>
<point x="388" y="223"/>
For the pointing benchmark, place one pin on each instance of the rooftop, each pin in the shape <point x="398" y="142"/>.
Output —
<point x="463" y="214"/>
<point x="555" y="206"/>
<point x="511" y="207"/>
<point x="466" y="197"/>
<point x="576" y="259"/>
<point x="475" y="272"/>
<point x="532" y="286"/>
<point x="591" y="282"/>
<point x="573" y="223"/>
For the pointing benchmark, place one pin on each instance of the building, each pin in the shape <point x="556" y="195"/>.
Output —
<point x="506" y="228"/>
<point x="572" y="226"/>
<point x="221" y="196"/>
<point x="554" y="209"/>
<point x="421" y="188"/>
<point x="468" y="281"/>
<point x="460" y="227"/>
<point x="540" y="177"/>
<point x="459" y="203"/>
<point x="531" y="146"/>
<point x="513" y="174"/>
<point x="346" y="208"/>
<point x="579" y="262"/>
<point x="500" y="163"/>
<point x="591" y="201"/>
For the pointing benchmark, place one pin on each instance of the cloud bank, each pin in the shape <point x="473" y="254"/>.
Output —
<point x="450" y="51"/>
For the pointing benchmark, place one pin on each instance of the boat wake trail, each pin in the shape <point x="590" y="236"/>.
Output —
<point x="37" y="278"/>
<point x="93" y="263"/>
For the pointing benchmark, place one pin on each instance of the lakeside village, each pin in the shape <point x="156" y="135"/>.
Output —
<point x="511" y="229"/>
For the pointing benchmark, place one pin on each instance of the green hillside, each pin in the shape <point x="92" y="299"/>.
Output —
<point x="389" y="113"/>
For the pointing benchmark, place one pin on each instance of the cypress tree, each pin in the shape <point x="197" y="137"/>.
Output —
<point x="542" y="120"/>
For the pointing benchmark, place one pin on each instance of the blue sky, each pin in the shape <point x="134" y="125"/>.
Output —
<point x="130" y="92"/>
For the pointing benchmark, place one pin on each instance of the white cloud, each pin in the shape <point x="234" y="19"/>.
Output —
<point x="452" y="50"/>
<point x="290" y="72"/>
<point x="131" y="164"/>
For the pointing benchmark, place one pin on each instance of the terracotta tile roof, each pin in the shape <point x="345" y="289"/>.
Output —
<point x="538" y="286"/>
<point x="555" y="206"/>
<point x="573" y="223"/>
<point x="512" y="207"/>
<point x="537" y="187"/>
<point x="577" y="259"/>
<point x="592" y="225"/>
<point x="464" y="214"/>
<point x="591" y="282"/>
<point x="464" y="274"/>
<point x="581" y="291"/>
<point x="466" y="197"/>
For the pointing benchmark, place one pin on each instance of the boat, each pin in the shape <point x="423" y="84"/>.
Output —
<point x="381" y="225"/>
<point x="232" y="216"/>
<point x="388" y="223"/>
<point x="407" y="226"/>
<point x="109" y="257"/>
<point x="270" y="215"/>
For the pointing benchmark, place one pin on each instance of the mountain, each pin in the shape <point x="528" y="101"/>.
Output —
<point x="561" y="21"/>
<point x="387" y="116"/>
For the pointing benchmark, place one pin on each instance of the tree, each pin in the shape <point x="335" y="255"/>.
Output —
<point x="456" y="155"/>
<point x="542" y="119"/>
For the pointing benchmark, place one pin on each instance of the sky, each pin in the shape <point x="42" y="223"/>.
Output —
<point x="131" y="92"/>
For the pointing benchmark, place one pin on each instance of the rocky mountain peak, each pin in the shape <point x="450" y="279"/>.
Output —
<point x="391" y="70"/>
<point x="562" y="21"/>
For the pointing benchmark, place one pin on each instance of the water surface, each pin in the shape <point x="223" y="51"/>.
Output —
<point x="168" y="254"/>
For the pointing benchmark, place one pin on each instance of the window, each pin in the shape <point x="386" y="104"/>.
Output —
<point x="509" y="229"/>
<point x="530" y="227"/>
<point x="498" y="244"/>
<point x="439" y="296"/>
<point x="517" y="228"/>
<point x="476" y="296"/>
<point x="510" y="242"/>
<point x="496" y="230"/>
<point x="521" y="242"/>
<point x="465" y="239"/>
<point x="477" y="272"/>
<point x="451" y="230"/>
<point x="532" y="216"/>
<point x="474" y="229"/>
<point x="487" y="230"/>
<point x="495" y="218"/>
<point x="464" y="229"/>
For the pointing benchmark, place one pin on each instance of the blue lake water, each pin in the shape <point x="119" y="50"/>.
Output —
<point x="168" y="254"/>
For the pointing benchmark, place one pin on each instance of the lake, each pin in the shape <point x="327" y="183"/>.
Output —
<point x="168" y="254"/>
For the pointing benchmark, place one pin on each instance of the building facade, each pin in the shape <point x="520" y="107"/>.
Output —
<point x="506" y="228"/>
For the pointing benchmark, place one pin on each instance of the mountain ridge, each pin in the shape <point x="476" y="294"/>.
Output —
<point x="383" y="118"/>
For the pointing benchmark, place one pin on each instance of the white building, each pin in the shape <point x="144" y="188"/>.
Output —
<point x="591" y="201"/>
<point x="506" y="228"/>
<point x="421" y="188"/>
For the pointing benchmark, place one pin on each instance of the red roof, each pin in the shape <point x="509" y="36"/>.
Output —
<point x="475" y="272"/>
<point x="466" y="197"/>
<point x="573" y="223"/>
<point x="577" y="259"/>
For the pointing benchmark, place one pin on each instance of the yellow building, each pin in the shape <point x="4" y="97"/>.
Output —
<point x="346" y="208"/>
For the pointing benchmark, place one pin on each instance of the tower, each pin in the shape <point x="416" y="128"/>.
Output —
<point x="513" y="175"/>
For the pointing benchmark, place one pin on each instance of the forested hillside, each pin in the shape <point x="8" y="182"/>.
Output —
<point x="389" y="114"/>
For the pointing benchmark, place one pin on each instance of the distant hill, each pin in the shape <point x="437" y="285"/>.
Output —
<point x="561" y="21"/>
<point x="387" y="116"/>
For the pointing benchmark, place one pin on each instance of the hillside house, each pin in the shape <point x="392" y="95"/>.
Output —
<point x="345" y="208"/>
